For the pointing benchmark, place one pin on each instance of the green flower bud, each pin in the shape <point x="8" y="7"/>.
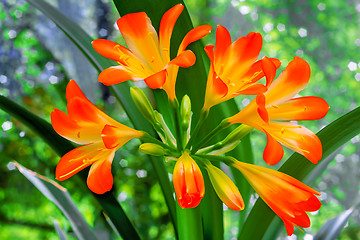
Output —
<point x="185" y="111"/>
<point x="143" y="104"/>
<point x="152" y="149"/>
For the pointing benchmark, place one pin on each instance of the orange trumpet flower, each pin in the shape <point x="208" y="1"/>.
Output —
<point x="102" y="136"/>
<point x="233" y="70"/>
<point x="148" y="56"/>
<point x="268" y="112"/>
<point x="188" y="182"/>
<point x="289" y="198"/>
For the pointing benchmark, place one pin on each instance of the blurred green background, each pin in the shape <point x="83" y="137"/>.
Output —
<point x="37" y="60"/>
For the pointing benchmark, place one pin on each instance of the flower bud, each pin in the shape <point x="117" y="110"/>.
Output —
<point x="188" y="182"/>
<point x="142" y="103"/>
<point x="185" y="111"/>
<point x="152" y="149"/>
<point x="225" y="188"/>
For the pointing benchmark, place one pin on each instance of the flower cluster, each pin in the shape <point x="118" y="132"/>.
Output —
<point x="234" y="70"/>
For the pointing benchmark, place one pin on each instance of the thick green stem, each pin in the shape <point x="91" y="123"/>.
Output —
<point x="178" y="128"/>
<point x="189" y="223"/>
<point x="203" y="116"/>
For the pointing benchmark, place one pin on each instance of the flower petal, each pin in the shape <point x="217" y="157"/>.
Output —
<point x="117" y="136"/>
<point x="239" y="56"/>
<point x="297" y="138"/>
<point x="298" y="109"/>
<point x="78" y="159"/>
<point x="100" y="179"/>
<point x="194" y="35"/>
<point x="73" y="90"/>
<point x="273" y="152"/>
<point x="209" y="49"/>
<point x="269" y="69"/>
<point x="223" y="41"/>
<point x="291" y="81"/>
<point x="185" y="59"/>
<point x="107" y="48"/>
<point x="116" y="74"/>
<point x="260" y="101"/>
<point x="252" y="89"/>
<point x="166" y="28"/>
<point x="68" y="128"/>
<point x="156" y="80"/>
<point x="141" y="38"/>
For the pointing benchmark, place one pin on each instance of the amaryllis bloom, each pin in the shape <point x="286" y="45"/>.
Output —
<point x="99" y="134"/>
<point x="188" y="182"/>
<point x="289" y="198"/>
<point x="234" y="69"/>
<point x="148" y="56"/>
<point x="271" y="112"/>
<point x="225" y="188"/>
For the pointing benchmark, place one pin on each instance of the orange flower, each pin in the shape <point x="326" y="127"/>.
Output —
<point x="148" y="56"/>
<point x="188" y="182"/>
<point x="233" y="70"/>
<point x="225" y="188"/>
<point x="102" y="136"/>
<point x="277" y="104"/>
<point x="289" y="198"/>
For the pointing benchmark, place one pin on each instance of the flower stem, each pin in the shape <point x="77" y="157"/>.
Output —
<point x="148" y="138"/>
<point x="178" y="129"/>
<point x="224" y="124"/>
<point x="203" y="116"/>
<point x="189" y="223"/>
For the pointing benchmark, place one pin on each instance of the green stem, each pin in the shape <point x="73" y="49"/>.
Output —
<point x="178" y="128"/>
<point x="148" y="138"/>
<point x="203" y="116"/>
<point x="189" y="223"/>
<point x="224" y="124"/>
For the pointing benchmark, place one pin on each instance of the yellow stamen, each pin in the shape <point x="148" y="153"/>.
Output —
<point x="67" y="174"/>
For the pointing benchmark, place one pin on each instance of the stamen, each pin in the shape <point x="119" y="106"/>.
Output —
<point x="275" y="106"/>
<point x="282" y="130"/>
<point x="76" y="169"/>
<point x="152" y="59"/>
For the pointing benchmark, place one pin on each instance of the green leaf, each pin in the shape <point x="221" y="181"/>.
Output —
<point x="59" y="231"/>
<point x="61" y="198"/>
<point x="332" y="227"/>
<point x="332" y="137"/>
<point x="62" y="146"/>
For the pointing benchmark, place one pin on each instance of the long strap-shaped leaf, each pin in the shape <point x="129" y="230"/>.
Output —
<point x="62" y="146"/>
<point x="332" y="137"/>
<point x="83" y="41"/>
<point x="61" y="198"/>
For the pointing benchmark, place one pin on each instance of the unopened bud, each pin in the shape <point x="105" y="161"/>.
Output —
<point x="142" y="103"/>
<point x="185" y="111"/>
<point x="152" y="149"/>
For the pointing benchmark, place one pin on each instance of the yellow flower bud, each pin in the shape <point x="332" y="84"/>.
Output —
<point x="152" y="149"/>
